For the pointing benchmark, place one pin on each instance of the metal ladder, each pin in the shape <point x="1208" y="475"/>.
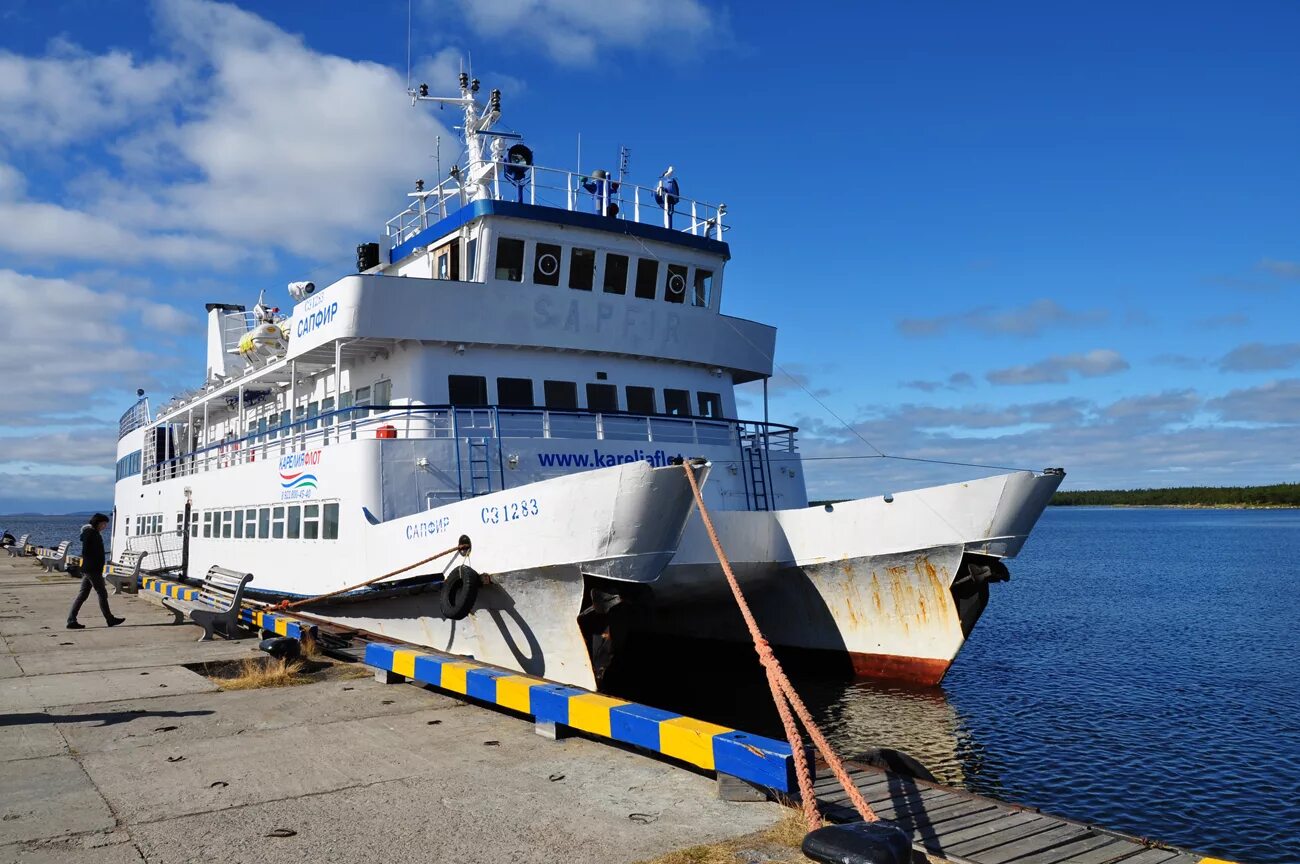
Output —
<point x="480" y="467"/>
<point x="758" y="478"/>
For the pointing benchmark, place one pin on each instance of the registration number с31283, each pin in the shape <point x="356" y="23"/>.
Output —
<point x="511" y="512"/>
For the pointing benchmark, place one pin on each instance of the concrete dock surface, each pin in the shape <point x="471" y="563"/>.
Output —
<point x="111" y="750"/>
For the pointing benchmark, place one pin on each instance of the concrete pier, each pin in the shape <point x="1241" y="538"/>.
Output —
<point x="111" y="750"/>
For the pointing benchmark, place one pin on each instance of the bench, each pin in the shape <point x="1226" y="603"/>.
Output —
<point x="124" y="574"/>
<point x="54" y="560"/>
<point x="19" y="549"/>
<point x="217" y="602"/>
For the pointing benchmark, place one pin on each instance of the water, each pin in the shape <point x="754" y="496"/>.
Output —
<point x="1138" y="672"/>
<point x="48" y="530"/>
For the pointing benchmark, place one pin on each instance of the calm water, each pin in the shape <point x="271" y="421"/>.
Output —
<point x="48" y="530"/>
<point x="1141" y="670"/>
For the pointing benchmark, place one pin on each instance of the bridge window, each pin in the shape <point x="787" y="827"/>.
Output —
<point x="615" y="281"/>
<point x="640" y="400"/>
<point x="675" y="284"/>
<point x="510" y="259"/>
<point x="647" y="271"/>
<point x="546" y="264"/>
<point x="677" y="403"/>
<point x="471" y="259"/>
<point x="467" y="391"/>
<point x="582" y="269"/>
<point x="602" y="397"/>
<point x="561" y="395"/>
<point x="710" y="404"/>
<point x="515" y="392"/>
<point x="703" y="288"/>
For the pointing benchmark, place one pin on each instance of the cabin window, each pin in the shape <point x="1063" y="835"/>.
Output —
<point x="443" y="270"/>
<point x="561" y="395"/>
<point x="263" y="523"/>
<point x="675" y="284"/>
<point x="207" y="524"/>
<point x="311" y="522"/>
<point x="313" y="412"/>
<point x="582" y="268"/>
<point x="194" y="524"/>
<point x="250" y="524"/>
<point x="602" y="397"/>
<point x="640" y="400"/>
<point x="294" y="521"/>
<point x="677" y="403"/>
<point x="510" y="259"/>
<point x="261" y="429"/>
<point x="471" y="259"/>
<point x="327" y="411"/>
<point x="546" y="264"/>
<point x="515" y="392"/>
<point x="180" y="523"/>
<point x="710" y="404"/>
<point x="647" y="271"/>
<point x="277" y="523"/>
<point x="239" y="525"/>
<point x="227" y="524"/>
<point x="284" y="424"/>
<point x="467" y="391"/>
<point x="383" y="394"/>
<point x="703" y="288"/>
<point x="361" y="399"/>
<point x="330" y="521"/>
<point x="615" y="281"/>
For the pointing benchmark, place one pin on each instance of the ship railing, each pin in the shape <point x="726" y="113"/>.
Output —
<point x="565" y="190"/>
<point x="134" y="417"/>
<point x="454" y="423"/>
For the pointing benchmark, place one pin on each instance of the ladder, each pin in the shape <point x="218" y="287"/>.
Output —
<point x="758" y="477"/>
<point x="480" y="467"/>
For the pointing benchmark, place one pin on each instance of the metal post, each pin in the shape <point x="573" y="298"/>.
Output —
<point x="239" y="425"/>
<point x="293" y="403"/>
<point x="185" y="541"/>
<point x="206" y="455"/>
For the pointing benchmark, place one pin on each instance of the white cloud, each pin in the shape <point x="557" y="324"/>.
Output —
<point x="575" y="32"/>
<point x="1058" y="368"/>
<point x="1029" y="320"/>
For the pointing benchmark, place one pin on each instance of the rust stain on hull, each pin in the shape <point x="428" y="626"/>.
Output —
<point x="923" y="671"/>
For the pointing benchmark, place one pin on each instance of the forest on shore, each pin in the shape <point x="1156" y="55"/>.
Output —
<point x="1277" y="495"/>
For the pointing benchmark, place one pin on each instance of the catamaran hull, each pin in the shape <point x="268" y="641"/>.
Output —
<point x="888" y="588"/>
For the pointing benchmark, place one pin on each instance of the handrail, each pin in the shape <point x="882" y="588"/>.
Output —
<point x="294" y="435"/>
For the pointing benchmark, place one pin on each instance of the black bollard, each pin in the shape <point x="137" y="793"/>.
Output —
<point x="281" y="647"/>
<point x="859" y="843"/>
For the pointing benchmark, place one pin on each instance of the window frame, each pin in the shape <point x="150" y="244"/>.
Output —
<point x="496" y="260"/>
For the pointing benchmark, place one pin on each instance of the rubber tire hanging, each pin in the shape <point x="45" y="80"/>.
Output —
<point x="459" y="591"/>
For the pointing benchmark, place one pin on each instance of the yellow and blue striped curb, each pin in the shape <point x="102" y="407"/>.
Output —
<point x="267" y="621"/>
<point x="759" y="760"/>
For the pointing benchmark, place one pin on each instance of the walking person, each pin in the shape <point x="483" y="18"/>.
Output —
<point x="92" y="572"/>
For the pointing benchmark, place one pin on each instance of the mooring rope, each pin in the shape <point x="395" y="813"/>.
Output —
<point x="285" y="605"/>
<point x="783" y="692"/>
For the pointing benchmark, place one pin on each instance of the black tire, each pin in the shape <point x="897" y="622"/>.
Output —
<point x="459" y="591"/>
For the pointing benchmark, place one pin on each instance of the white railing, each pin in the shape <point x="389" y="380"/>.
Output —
<point x="449" y="423"/>
<point x="565" y="190"/>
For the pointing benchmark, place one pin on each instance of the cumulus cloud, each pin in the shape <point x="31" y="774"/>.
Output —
<point x="1277" y="402"/>
<point x="1259" y="357"/>
<point x="1058" y="368"/>
<point x="955" y="381"/>
<point x="575" y="32"/>
<point x="1029" y="320"/>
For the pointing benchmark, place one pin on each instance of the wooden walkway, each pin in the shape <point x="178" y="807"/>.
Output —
<point x="964" y="827"/>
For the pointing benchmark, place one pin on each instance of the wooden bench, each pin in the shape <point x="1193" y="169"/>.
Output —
<point x="217" y="602"/>
<point x="19" y="549"/>
<point x="56" y="559"/>
<point x="124" y="574"/>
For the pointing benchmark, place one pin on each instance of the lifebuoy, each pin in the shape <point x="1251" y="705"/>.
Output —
<point x="459" y="591"/>
<point x="676" y="283"/>
<point x="548" y="264"/>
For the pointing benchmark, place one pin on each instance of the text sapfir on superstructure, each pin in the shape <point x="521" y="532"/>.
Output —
<point x="518" y="364"/>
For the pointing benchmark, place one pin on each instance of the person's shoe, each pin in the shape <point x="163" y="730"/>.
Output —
<point x="73" y="625"/>
<point x="113" y="622"/>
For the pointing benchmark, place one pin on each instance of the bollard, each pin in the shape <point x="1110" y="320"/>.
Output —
<point x="859" y="843"/>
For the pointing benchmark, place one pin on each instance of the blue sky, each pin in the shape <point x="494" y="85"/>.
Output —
<point x="1005" y="233"/>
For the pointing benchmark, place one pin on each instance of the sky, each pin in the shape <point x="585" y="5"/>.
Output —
<point x="1012" y="234"/>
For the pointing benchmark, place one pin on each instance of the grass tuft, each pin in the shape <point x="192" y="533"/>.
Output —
<point x="780" y="842"/>
<point x="255" y="673"/>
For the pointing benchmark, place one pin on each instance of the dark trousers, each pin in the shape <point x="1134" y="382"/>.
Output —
<point x="91" y="579"/>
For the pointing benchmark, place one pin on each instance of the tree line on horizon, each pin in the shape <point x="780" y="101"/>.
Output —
<point x="1276" y="495"/>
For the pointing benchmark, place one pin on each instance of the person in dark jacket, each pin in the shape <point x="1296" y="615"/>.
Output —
<point x="92" y="572"/>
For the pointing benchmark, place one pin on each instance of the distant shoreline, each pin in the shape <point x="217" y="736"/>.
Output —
<point x="1275" y="497"/>
<point x="1183" y="506"/>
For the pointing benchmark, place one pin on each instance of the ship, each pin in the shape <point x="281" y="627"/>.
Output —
<point x="508" y="386"/>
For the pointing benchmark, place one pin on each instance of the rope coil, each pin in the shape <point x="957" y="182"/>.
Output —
<point x="285" y="605"/>
<point x="783" y="692"/>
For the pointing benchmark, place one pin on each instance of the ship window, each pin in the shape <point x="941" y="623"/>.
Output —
<point x="180" y="523"/>
<point x="238" y="526"/>
<point x="194" y="525"/>
<point x="677" y="403"/>
<point x="292" y="523"/>
<point x="515" y="392"/>
<point x="263" y="523"/>
<point x="675" y="284"/>
<point x="227" y="524"/>
<point x="710" y="404"/>
<point x="313" y="411"/>
<point x="602" y="397"/>
<point x="561" y="395"/>
<point x="471" y="259"/>
<point x="640" y="400"/>
<point x="467" y="390"/>
<point x="383" y="394"/>
<point x="311" y="522"/>
<point x="361" y="400"/>
<point x="546" y="264"/>
<point x="510" y="259"/>
<point x="207" y="524"/>
<point x="216" y="524"/>
<point x="647" y="271"/>
<point x="250" y="524"/>
<point x="615" y="281"/>
<point x="703" y="287"/>
<point x="284" y="424"/>
<point x="277" y="523"/>
<point x="444" y="266"/>
<point x="330" y="521"/>
<point x="582" y="268"/>
<point x="327" y="411"/>
<point x="261" y="429"/>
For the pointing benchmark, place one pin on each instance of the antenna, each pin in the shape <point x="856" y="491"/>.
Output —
<point x="579" y="154"/>
<point x="408" y="44"/>
<point x="624" y="156"/>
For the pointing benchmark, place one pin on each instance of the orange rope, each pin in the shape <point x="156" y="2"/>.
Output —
<point x="783" y="692"/>
<point x="285" y="605"/>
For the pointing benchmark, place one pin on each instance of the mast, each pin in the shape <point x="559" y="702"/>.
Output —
<point x="478" y="121"/>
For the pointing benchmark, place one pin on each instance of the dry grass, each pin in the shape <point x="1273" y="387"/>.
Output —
<point x="789" y="831"/>
<point x="780" y="842"/>
<point x="310" y="648"/>
<point x="255" y="673"/>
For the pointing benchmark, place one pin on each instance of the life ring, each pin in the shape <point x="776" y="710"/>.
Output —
<point x="676" y="284"/>
<point x="459" y="591"/>
<point x="548" y="264"/>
